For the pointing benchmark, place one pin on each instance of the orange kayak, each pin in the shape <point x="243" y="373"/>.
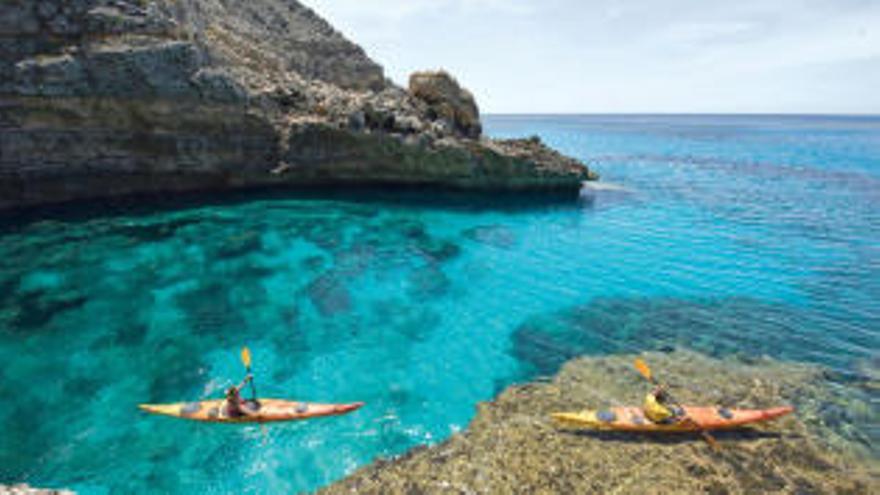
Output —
<point x="703" y="418"/>
<point x="268" y="410"/>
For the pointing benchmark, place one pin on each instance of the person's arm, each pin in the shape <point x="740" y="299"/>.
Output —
<point x="244" y="407"/>
<point x="244" y="382"/>
<point x="246" y="410"/>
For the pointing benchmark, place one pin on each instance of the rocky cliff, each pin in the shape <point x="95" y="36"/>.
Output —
<point x="115" y="97"/>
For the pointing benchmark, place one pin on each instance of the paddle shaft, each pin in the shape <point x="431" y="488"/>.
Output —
<point x="253" y="387"/>
<point x="246" y="361"/>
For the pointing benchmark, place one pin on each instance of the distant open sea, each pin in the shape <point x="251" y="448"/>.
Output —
<point x="732" y="235"/>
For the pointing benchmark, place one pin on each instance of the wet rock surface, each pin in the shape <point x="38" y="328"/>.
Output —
<point x="111" y="97"/>
<point x="512" y="447"/>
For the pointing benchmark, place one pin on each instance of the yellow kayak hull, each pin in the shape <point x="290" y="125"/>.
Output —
<point x="697" y="419"/>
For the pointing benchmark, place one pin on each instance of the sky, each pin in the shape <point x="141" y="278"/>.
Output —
<point x="631" y="56"/>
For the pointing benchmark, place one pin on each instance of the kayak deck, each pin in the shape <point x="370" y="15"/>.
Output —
<point x="698" y="418"/>
<point x="265" y="410"/>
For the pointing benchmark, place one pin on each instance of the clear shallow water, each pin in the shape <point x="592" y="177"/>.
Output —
<point x="744" y="235"/>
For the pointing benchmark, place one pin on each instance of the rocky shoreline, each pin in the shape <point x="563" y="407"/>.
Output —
<point x="104" y="98"/>
<point x="512" y="447"/>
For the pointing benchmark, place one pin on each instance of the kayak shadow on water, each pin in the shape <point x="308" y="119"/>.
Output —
<point x="742" y="435"/>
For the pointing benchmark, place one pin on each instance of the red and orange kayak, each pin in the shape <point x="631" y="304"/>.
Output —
<point x="268" y="410"/>
<point x="699" y="418"/>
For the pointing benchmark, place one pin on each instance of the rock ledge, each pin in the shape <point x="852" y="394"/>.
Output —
<point x="102" y="98"/>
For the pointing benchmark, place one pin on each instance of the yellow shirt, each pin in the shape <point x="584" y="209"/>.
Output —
<point x="655" y="411"/>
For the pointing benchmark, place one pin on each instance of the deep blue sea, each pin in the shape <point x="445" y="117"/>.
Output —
<point x="732" y="235"/>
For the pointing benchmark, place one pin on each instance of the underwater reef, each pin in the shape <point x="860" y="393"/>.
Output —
<point x="108" y="98"/>
<point x="513" y="447"/>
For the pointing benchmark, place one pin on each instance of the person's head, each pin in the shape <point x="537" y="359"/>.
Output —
<point x="660" y="394"/>
<point x="231" y="393"/>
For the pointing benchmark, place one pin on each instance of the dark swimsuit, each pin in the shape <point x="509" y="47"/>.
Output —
<point x="234" y="412"/>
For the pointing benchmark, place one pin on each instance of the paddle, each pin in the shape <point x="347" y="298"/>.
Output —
<point x="246" y="360"/>
<point x="645" y="371"/>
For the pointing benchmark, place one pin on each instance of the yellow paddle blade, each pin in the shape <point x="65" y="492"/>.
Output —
<point x="246" y="357"/>
<point x="643" y="368"/>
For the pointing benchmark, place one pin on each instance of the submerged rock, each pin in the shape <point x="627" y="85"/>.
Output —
<point x="512" y="447"/>
<point x="35" y="310"/>
<point x="107" y="98"/>
<point x="497" y="236"/>
<point x="329" y="294"/>
<point x="428" y="282"/>
<point x="741" y="326"/>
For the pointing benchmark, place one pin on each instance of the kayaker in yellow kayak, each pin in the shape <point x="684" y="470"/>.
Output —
<point x="235" y="406"/>
<point x="656" y="408"/>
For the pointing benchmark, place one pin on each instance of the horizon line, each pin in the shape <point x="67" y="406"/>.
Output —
<point x="684" y="114"/>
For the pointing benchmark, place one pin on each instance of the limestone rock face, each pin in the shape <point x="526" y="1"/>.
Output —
<point x="105" y="98"/>
<point x="274" y="35"/>
<point x="447" y="101"/>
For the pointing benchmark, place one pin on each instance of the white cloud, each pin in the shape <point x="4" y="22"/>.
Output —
<point x="707" y="32"/>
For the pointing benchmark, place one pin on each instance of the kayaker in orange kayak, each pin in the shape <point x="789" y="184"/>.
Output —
<point x="235" y="406"/>
<point x="657" y="409"/>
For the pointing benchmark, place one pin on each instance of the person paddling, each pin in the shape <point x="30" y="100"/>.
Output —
<point x="660" y="396"/>
<point x="235" y="406"/>
<point x="657" y="407"/>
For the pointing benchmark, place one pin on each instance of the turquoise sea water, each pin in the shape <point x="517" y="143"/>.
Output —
<point x="732" y="235"/>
